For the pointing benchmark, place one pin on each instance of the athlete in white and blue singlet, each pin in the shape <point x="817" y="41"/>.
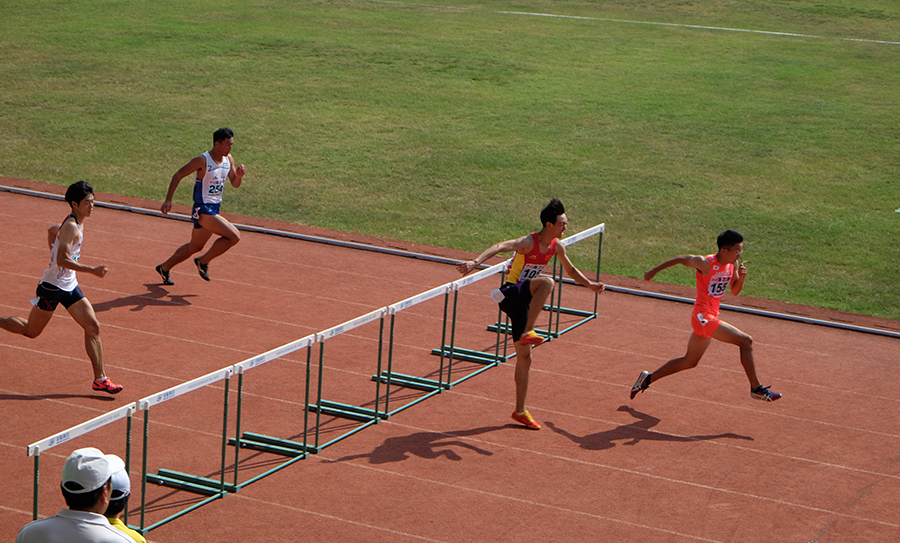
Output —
<point x="211" y="170"/>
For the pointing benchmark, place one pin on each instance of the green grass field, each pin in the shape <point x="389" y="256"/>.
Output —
<point x="452" y="123"/>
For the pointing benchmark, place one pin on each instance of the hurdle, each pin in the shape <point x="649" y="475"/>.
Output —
<point x="261" y="442"/>
<point x="36" y="448"/>
<point x="201" y="485"/>
<point x="365" y="416"/>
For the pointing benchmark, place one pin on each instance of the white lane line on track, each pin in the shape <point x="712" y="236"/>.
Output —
<point x="698" y="27"/>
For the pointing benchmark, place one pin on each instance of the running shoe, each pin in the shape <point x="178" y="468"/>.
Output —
<point x="764" y="394"/>
<point x="165" y="275"/>
<point x="526" y="419"/>
<point x="531" y="338"/>
<point x="105" y="385"/>
<point x="643" y="381"/>
<point x="202" y="269"/>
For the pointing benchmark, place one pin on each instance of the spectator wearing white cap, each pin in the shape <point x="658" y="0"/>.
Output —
<point x="86" y="488"/>
<point x="118" y="504"/>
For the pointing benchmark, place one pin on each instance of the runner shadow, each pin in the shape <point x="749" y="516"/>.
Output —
<point x="427" y="445"/>
<point x="154" y="297"/>
<point x="634" y="433"/>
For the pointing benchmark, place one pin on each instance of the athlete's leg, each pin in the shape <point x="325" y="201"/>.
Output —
<point x="199" y="237"/>
<point x="727" y="333"/>
<point x="523" y="365"/>
<point x="541" y="287"/>
<point x="228" y="234"/>
<point x="696" y="347"/>
<point x="30" y="328"/>
<point x="83" y="313"/>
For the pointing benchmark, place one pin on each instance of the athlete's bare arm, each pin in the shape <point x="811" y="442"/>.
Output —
<point x="519" y="245"/>
<point x="574" y="272"/>
<point x="67" y="234"/>
<point x="235" y="174"/>
<point x="737" y="280"/>
<point x="194" y="166"/>
<point x="51" y="234"/>
<point x="697" y="262"/>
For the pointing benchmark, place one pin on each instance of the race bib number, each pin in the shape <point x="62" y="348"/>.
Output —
<point x="530" y="271"/>
<point x="215" y="189"/>
<point x="718" y="285"/>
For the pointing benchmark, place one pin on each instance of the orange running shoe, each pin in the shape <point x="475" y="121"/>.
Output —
<point x="105" y="385"/>
<point x="526" y="419"/>
<point x="531" y="338"/>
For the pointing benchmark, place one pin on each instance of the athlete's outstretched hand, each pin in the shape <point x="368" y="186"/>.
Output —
<point x="466" y="267"/>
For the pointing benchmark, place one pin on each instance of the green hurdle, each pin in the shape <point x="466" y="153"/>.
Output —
<point x="214" y="489"/>
<point x="38" y="447"/>
<point x="249" y="440"/>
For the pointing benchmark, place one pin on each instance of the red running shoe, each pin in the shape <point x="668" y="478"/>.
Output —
<point x="531" y="338"/>
<point x="526" y="419"/>
<point x="105" y="385"/>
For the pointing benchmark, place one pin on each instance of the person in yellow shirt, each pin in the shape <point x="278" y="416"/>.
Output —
<point x="118" y="504"/>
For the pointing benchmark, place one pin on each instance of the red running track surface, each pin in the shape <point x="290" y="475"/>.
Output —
<point x="691" y="459"/>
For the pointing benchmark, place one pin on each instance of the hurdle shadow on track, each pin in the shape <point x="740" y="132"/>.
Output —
<point x="138" y="302"/>
<point x="427" y="445"/>
<point x="39" y="397"/>
<point x="634" y="433"/>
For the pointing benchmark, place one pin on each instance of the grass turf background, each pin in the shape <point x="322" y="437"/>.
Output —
<point x="452" y="124"/>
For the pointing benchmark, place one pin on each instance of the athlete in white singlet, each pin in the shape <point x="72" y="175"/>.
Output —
<point x="211" y="170"/>
<point x="715" y="274"/>
<point x="60" y="286"/>
<point x="208" y="189"/>
<point x="522" y="297"/>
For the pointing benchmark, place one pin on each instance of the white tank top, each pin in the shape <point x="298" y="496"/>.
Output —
<point x="64" y="278"/>
<point x="208" y="189"/>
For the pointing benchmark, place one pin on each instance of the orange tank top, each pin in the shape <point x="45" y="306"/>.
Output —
<point x="711" y="287"/>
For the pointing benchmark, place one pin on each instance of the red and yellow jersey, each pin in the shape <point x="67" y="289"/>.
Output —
<point x="711" y="288"/>
<point x="529" y="265"/>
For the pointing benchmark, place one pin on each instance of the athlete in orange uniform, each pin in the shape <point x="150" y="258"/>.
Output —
<point x="715" y="274"/>
<point x="526" y="290"/>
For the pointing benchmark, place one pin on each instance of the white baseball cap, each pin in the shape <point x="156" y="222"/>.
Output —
<point x="88" y="469"/>
<point x="121" y="485"/>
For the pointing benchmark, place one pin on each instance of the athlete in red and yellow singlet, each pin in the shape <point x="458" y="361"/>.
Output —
<point x="527" y="266"/>
<point x="522" y="297"/>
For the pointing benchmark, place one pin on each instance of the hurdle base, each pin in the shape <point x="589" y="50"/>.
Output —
<point x="190" y="483"/>
<point x="506" y="329"/>
<point x="274" y="445"/>
<point x="409" y="381"/>
<point x="469" y="355"/>
<point x="345" y="411"/>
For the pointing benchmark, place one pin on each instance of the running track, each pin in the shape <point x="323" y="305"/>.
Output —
<point x="691" y="459"/>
